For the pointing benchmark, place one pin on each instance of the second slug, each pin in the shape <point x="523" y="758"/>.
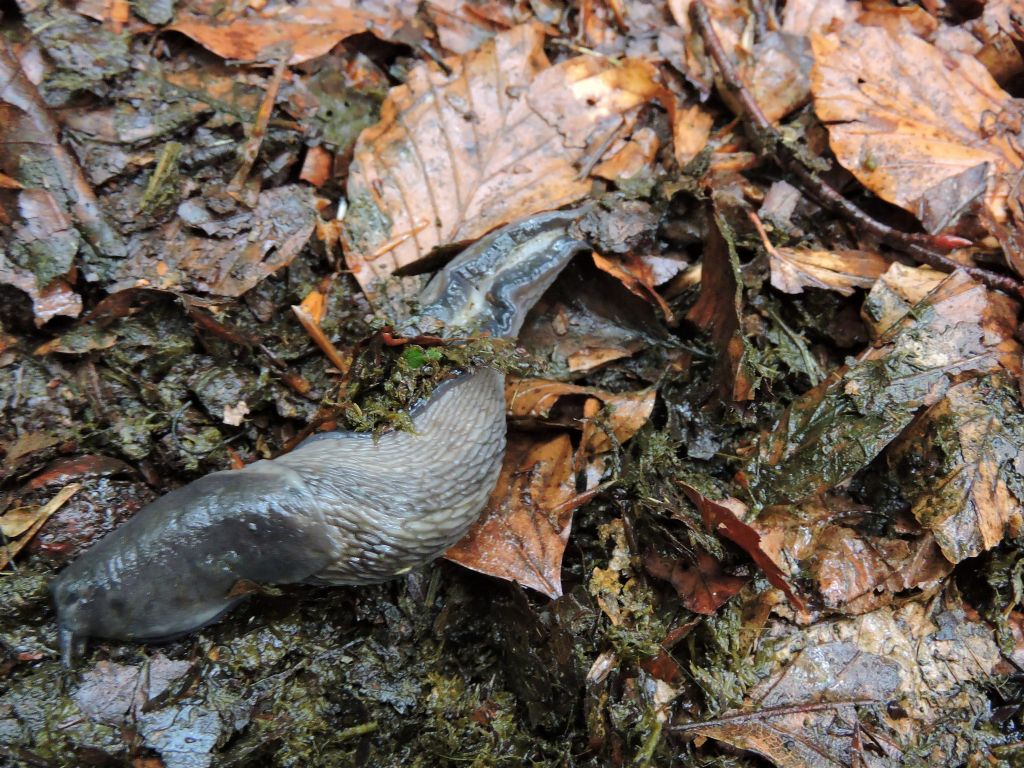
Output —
<point x="342" y="508"/>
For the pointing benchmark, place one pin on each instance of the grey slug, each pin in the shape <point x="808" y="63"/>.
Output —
<point x="342" y="508"/>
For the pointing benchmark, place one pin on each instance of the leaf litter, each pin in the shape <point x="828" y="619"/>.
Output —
<point x="764" y="484"/>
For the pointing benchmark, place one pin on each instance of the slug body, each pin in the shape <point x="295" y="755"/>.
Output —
<point x="342" y="508"/>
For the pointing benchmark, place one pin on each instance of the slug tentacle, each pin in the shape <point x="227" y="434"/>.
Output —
<point x="343" y="508"/>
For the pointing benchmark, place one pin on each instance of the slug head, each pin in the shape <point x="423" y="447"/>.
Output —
<point x="176" y="565"/>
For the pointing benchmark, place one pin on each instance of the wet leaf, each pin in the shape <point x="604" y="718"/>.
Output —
<point x="456" y="155"/>
<point x="236" y="253"/>
<point x="842" y="424"/>
<point x="794" y="269"/>
<point x="719" y="308"/>
<point x="915" y="124"/>
<point x="890" y="678"/>
<point x="703" y="588"/>
<point x="972" y="444"/>
<point x="522" y="532"/>
<point x="301" y="31"/>
<point x="723" y="517"/>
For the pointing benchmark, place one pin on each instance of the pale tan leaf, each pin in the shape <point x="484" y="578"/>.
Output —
<point x="10" y="550"/>
<point x="918" y="126"/>
<point x="794" y="269"/>
<point x="456" y="155"/>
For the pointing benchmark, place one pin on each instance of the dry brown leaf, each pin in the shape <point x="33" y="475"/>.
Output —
<point x="922" y="128"/>
<point x="794" y="269"/>
<point x="631" y="157"/>
<point x="690" y="132"/>
<point x="302" y="31"/>
<point x="806" y="17"/>
<point x="317" y="166"/>
<point x="626" y="414"/>
<point x="456" y="155"/>
<point x="522" y="532"/>
<point x="464" y="25"/>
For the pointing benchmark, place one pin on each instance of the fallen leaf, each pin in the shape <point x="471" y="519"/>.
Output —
<point x="631" y="157"/>
<point x="235" y="414"/>
<point x="884" y="679"/>
<point x="317" y="167"/>
<point x="625" y="412"/>
<point x="794" y="269"/>
<point x="913" y="123"/>
<point x="972" y="443"/>
<point x="463" y="26"/>
<point x="302" y="31"/>
<point x="837" y="428"/>
<point x="10" y="549"/>
<point x="235" y="252"/>
<point x="637" y="277"/>
<point x="806" y="17"/>
<point x="522" y="532"/>
<point x="718" y="309"/>
<point x="895" y="292"/>
<point x="722" y="517"/>
<point x="457" y="155"/>
<point x="691" y="130"/>
<point x="855" y="567"/>
<point x="703" y="588"/>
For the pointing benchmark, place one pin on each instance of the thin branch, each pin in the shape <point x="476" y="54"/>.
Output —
<point x="921" y="247"/>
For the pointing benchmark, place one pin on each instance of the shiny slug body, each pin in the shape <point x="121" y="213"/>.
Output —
<point x="342" y="508"/>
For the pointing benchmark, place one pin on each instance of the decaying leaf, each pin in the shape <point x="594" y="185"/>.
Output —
<point x="834" y="430"/>
<point x="522" y="533"/>
<point x="794" y="269"/>
<point x="233" y="253"/>
<point x="896" y="292"/>
<point x="719" y="308"/>
<point x="922" y="128"/>
<point x="723" y="517"/>
<point x="703" y="587"/>
<point x="37" y="518"/>
<point x="638" y="278"/>
<point x="855" y="567"/>
<point x="301" y="31"/>
<point x="690" y="132"/>
<point x="885" y="679"/>
<point x="972" y="443"/>
<point x="458" y="154"/>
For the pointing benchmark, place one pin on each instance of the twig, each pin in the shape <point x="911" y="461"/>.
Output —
<point x="922" y="247"/>
<point x="251" y="149"/>
<point x="77" y="196"/>
<point x="761" y="714"/>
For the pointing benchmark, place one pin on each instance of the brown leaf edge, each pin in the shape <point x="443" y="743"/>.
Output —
<point x="719" y="519"/>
